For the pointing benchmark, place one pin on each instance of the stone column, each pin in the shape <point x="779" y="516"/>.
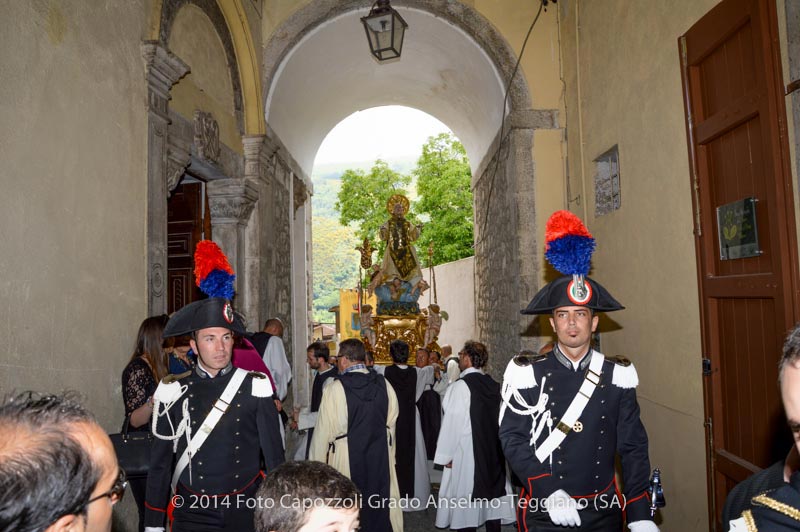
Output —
<point x="231" y="201"/>
<point x="254" y="304"/>
<point x="301" y="286"/>
<point x="162" y="70"/>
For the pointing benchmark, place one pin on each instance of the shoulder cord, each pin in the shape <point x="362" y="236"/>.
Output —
<point x="184" y="426"/>
<point x="539" y="416"/>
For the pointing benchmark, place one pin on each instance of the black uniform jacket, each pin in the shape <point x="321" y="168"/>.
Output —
<point x="230" y="459"/>
<point x="583" y="465"/>
<point x="777" y="510"/>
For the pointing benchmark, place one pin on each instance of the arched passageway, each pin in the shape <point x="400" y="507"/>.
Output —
<point x="318" y="71"/>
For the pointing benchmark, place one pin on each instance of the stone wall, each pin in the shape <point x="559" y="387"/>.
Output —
<point x="623" y="87"/>
<point x="497" y="266"/>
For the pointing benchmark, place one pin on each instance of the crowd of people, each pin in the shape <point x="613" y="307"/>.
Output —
<point x="218" y="461"/>
<point x="212" y="394"/>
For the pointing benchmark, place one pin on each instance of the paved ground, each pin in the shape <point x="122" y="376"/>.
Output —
<point x="423" y="521"/>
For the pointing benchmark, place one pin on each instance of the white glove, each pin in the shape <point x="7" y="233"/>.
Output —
<point x="738" y="525"/>
<point x="153" y="529"/>
<point x="563" y="509"/>
<point x="643" y="526"/>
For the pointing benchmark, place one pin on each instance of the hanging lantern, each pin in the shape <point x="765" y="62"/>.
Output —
<point x="385" y="29"/>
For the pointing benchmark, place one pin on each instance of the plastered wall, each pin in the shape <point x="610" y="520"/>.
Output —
<point x="623" y="87"/>
<point x="455" y="292"/>
<point x="208" y="85"/>
<point x="72" y="142"/>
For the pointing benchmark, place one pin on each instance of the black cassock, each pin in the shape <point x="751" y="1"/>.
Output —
<point x="404" y="382"/>
<point x="430" y="418"/>
<point x="367" y="413"/>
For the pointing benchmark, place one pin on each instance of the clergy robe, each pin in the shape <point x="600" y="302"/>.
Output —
<point x="332" y="428"/>
<point x="456" y="445"/>
<point x="429" y="406"/>
<point x="412" y="461"/>
<point x="308" y="418"/>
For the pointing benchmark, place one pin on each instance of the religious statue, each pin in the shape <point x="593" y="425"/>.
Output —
<point x="420" y="288"/>
<point x="397" y="283"/>
<point x="434" y="324"/>
<point x="400" y="258"/>
<point x="375" y="279"/>
<point x="367" y="325"/>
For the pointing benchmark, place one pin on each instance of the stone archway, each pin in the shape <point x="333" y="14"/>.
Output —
<point x="236" y="183"/>
<point x="317" y="72"/>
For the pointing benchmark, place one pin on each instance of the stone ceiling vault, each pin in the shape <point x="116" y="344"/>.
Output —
<point x="330" y="74"/>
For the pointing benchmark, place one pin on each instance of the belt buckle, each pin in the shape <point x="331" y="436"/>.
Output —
<point x="221" y="409"/>
<point x="596" y="376"/>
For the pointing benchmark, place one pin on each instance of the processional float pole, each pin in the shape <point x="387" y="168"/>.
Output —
<point x="366" y="250"/>
<point x="433" y="275"/>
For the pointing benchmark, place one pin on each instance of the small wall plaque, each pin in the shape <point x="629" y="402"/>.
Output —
<point x="738" y="232"/>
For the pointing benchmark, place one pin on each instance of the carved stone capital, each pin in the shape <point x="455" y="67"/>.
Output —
<point x="255" y="157"/>
<point x="162" y="70"/>
<point x="231" y="201"/>
<point x="178" y="158"/>
<point x="206" y="136"/>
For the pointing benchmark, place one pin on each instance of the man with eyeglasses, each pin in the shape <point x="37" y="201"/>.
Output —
<point x="58" y="470"/>
<point x="567" y="414"/>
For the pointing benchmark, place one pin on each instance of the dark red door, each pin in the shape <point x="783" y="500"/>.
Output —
<point x="735" y="120"/>
<point x="188" y="223"/>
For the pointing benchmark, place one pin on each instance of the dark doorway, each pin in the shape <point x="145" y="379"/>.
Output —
<point x="188" y="222"/>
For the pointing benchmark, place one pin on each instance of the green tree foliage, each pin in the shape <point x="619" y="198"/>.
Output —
<point x="335" y="264"/>
<point x="444" y="197"/>
<point x="362" y="197"/>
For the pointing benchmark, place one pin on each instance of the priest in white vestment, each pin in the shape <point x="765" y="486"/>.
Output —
<point x="454" y="450"/>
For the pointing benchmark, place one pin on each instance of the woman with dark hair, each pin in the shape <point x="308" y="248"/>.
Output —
<point x="146" y="368"/>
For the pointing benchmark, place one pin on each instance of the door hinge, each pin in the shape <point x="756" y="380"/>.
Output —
<point x="706" y="367"/>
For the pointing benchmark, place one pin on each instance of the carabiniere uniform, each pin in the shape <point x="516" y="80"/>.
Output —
<point x="550" y="447"/>
<point x="214" y="484"/>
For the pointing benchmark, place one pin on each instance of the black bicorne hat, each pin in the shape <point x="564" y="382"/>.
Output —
<point x="564" y="292"/>
<point x="211" y="312"/>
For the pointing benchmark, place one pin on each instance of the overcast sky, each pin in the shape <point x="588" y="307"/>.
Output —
<point x="381" y="132"/>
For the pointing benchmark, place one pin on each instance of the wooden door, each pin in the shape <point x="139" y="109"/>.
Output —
<point x="188" y="223"/>
<point x="735" y="119"/>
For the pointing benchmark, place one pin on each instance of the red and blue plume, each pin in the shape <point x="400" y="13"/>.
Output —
<point x="212" y="271"/>
<point x="569" y="245"/>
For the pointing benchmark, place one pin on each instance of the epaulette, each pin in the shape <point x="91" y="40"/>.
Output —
<point x="619" y="360"/>
<point x="172" y="377"/>
<point x="261" y="385"/>
<point x="169" y="389"/>
<point x="625" y="375"/>
<point x="519" y="373"/>
<point x="523" y="360"/>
